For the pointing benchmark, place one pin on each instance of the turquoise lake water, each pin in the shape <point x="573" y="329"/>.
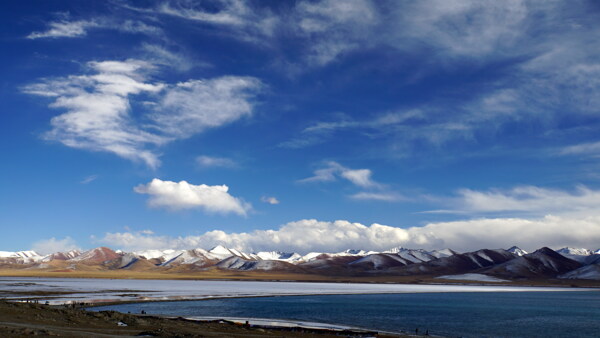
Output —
<point x="494" y="314"/>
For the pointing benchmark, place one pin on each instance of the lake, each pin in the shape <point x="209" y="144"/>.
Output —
<point x="467" y="314"/>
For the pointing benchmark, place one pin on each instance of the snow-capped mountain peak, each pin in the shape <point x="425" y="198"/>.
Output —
<point x="442" y="253"/>
<point x="575" y="251"/>
<point x="278" y="256"/>
<point x="152" y="254"/>
<point x="220" y="252"/>
<point x="97" y="255"/>
<point x="412" y="255"/>
<point x="19" y="254"/>
<point x="517" y="251"/>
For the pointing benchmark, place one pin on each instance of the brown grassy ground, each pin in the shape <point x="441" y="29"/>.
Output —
<point x="215" y="274"/>
<point x="21" y="320"/>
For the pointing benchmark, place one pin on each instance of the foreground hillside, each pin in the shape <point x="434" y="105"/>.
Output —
<point x="564" y="266"/>
<point x="22" y="319"/>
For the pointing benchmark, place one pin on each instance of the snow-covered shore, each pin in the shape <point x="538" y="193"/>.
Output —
<point x="88" y="290"/>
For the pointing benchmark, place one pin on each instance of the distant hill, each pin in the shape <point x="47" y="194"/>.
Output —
<point x="496" y="264"/>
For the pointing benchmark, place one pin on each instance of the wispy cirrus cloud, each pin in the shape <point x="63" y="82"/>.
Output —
<point x="529" y="200"/>
<point x="269" y="200"/>
<point x="98" y="107"/>
<point x="64" y="29"/>
<point x="361" y="178"/>
<point x="89" y="179"/>
<point x="379" y="196"/>
<point x="380" y="125"/>
<point x="205" y="161"/>
<point x="333" y="170"/>
<point x="191" y="107"/>
<point x="67" y="28"/>
<point x="99" y="115"/>
<point x="238" y="18"/>
<point x="162" y="55"/>
<point x="589" y="148"/>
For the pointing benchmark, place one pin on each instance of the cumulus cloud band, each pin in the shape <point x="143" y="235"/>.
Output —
<point x="312" y="235"/>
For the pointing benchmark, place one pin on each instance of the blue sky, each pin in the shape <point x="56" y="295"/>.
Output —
<point x="299" y="125"/>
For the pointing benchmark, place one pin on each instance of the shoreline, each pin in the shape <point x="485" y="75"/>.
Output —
<point x="94" y="292"/>
<point x="90" y="304"/>
<point x="24" y="319"/>
<point x="86" y="294"/>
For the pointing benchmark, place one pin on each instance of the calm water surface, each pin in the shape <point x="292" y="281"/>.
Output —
<point x="494" y="314"/>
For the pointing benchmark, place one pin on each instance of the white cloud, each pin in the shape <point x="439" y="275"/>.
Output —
<point x="412" y="124"/>
<point x="591" y="149"/>
<point x="64" y="29"/>
<point x="212" y="162"/>
<point x="358" y="177"/>
<point x="526" y="199"/>
<point x="193" y="106"/>
<point x="98" y="108"/>
<point x="269" y="200"/>
<point x="311" y="235"/>
<point x="462" y="27"/>
<point x="89" y="179"/>
<point x="334" y="27"/>
<point x="183" y="195"/>
<point x="161" y="55"/>
<point x="552" y="231"/>
<point x="246" y="22"/>
<point x="80" y="28"/>
<point x="52" y="245"/>
<point x="548" y="50"/>
<point x="378" y="196"/>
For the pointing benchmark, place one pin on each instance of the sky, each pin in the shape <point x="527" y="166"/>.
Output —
<point x="299" y="125"/>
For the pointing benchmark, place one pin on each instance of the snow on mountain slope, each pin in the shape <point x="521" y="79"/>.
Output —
<point x="123" y="261"/>
<point x="154" y="254"/>
<point x="586" y="272"/>
<point x="20" y="257"/>
<point x="380" y="261"/>
<point x="517" y="251"/>
<point x="443" y="253"/>
<point x="278" y="256"/>
<point x="61" y="256"/>
<point x="19" y="254"/>
<point x="412" y="255"/>
<point x="576" y="254"/>
<point x="220" y="252"/>
<point x="239" y="263"/>
<point x="575" y="251"/>
<point x="324" y="255"/>
<point x="312" y="256"/>
<point x="196" y="256"/>
<point x="353" y="252"/>
<point x="458" y="263"/>
<point x="95" y="256"/>
<point x="543" y="262"/>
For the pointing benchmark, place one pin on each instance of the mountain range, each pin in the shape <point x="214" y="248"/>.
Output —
<point x="484" y="265"/>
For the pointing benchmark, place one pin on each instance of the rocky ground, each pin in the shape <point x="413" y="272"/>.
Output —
<point x="30" y="319"/>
